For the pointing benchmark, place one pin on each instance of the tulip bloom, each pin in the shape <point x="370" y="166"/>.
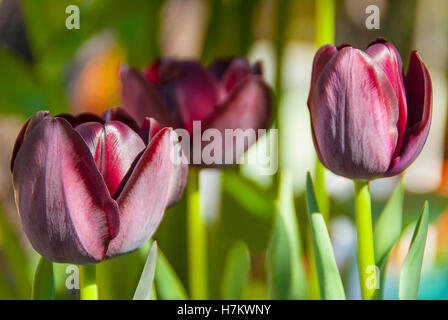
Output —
<point x="230" y="94"/>
<point x="368" y="119"/>
<point x="89" y="188"/>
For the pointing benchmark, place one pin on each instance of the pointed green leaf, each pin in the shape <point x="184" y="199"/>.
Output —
<point x="43" y="285"/>
<point x="144" y="287"/>
<point x="169" y="286"/>
<point x="412" y="266"/>
<point x="387" y="230"/>
<point x="287" y="277"/>
<point x="330" y="283"/>
<point x="236" y="272"/>
<point x="388" y="226"/>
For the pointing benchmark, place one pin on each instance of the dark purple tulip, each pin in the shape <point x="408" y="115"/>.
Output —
<point x="230" y="94"/>
<point x="89" y="188"/>
<point x="368" y="119"/>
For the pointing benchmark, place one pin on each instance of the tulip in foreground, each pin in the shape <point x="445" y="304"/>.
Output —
<point x="368" y="119"/>
<point x="89" y="188"/>
<point x="231" y="94"/>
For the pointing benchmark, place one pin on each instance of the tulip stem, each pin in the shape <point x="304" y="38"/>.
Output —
<point x="366" y="256"/>
<point x="324" y="22"/>
<point x="197" y="245"/>
<point x="89" y="288"/>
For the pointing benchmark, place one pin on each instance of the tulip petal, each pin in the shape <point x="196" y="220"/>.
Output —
<point x="114" y="147"/>
<point x="141" y="98"/>
<point x="388" y="58"/>
<point x="419" y="98"/>
<point x="26" y="129"/>
<point x="219" y="66"/>
<point x="65" y="207"/>
<point x="235" y="72"/>
<point x="149" y="129"/>
<point x="155" y="182"/>
<point x="354" y="111"/>
<point x="248" y="107"/>
<point x="120" y="114"/>
<point x="322" y="57"/>
<point x="197" y="93"/>
<point x="80" y="118"/>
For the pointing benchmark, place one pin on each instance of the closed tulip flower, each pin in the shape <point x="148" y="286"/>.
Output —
<point x="89" y="188"/>
<point x="230" y="94"/>
<point x="368" y="119"/>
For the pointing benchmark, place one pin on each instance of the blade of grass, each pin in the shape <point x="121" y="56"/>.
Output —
<point x="43" y="285"/>
<point x="387" y="231"/>
<point x="144" y="287"/>
<point x="330" y="283"/>
<point x="287" y="277"/>
<point x="412" y="266"/>
<point x="168" y="284"/>
<point x="236" y="272"/>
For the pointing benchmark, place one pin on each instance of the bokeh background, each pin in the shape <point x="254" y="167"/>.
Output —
<point x="43" y="65"/>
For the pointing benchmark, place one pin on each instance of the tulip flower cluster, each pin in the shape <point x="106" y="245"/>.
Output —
<point x="89" y="188"/>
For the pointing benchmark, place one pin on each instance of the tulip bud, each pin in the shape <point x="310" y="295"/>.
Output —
<point x="368" y="120"/>
<point x="89" y="188"/>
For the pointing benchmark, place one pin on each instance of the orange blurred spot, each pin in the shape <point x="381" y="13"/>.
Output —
<point x="97" y="87"/>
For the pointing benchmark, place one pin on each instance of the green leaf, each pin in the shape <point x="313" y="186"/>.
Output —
<point x="16" y="267"/>
<point x="330" y="282"/>
<point x="412" y="266"/>
<point x="169" y="286"/>
<point x="287" y="279"/>
<point x="248" y="195"/>
<point x="43" y="285"/>
<point x="388" y="226"/>
<point x="388" y="229"/>
<point x="236" y="272"/>
<point x="144" y="287"/>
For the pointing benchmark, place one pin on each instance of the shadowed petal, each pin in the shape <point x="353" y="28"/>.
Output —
<point x="236" y="71"/>
<point x="197" y="93"/>
<point x="419" y="98"/>
<point x="155" y="182"/>
<point x="219" y="67"/>
<point x="65" y="207"/>
<point x="354" y="111"/>
<point x="141" y="98"/>
<point x="247" y="107"/>
<point x="322" y="57"/>
<point x="114" y="147"/>
<point x="26" y="129"/>
<point x="80" y="118"/>
<point x="149" y="129"/>
<point x="120" y="114"/>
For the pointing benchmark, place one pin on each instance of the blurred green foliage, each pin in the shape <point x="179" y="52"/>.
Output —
<point x="253" y="220"/>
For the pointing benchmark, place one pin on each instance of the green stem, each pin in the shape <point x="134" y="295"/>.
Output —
<point x="324" y="22"/>
<point x="89" y="288"/>
<point x="323" y="33"/>
<point x="197" y="246"/>
<point x="366" y="255"/>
